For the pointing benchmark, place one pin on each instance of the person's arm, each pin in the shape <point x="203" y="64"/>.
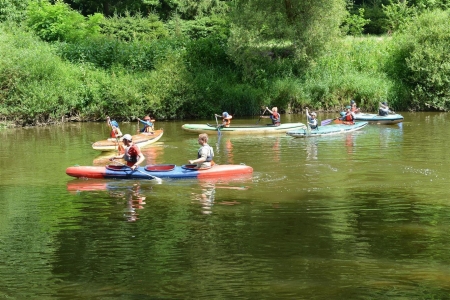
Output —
<point x="117" y="157"/>
<point x="140" y="160"/>
<point x="203" y="156"/>
<point x="108" y="121"/>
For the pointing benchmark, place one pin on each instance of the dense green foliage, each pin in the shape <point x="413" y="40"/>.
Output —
<point x="60" y="22"/>
<point x="13" y="10"/>
<point x="219" y="55"/>
<point x="130" y="28"/>
<point x="421" y="60"/>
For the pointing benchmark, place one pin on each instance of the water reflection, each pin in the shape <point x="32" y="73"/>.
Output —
<point x="124" y="192"/>
<point x="206" y="197"/>
<point x="208" y="194"/>
<point x="311" y="149"/>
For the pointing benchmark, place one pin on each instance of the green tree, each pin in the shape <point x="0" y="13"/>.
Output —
<point x="421" y="60"/>
<point x="303" y="29"/>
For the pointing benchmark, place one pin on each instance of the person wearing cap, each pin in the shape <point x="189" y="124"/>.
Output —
<point x="275" y="116"/>
<point x="354" y="109"/>
<point x="384" y="109"/>
<point x="148" y="124"/>
<point x="205" y="154"/>
<point x="349" y="117"/>
<point x="226" y="119"/>
<point x="132" y="153"/>
<point x="312" y="119"/>
<point x="115" y="130"/>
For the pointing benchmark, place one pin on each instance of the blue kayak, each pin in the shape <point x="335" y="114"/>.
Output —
<point x="326" y="130"/>
<point x="157" y="171"/>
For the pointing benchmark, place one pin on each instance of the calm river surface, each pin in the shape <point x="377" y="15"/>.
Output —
<point x="364" y="215"/>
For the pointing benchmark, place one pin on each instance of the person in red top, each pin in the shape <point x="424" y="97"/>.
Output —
<point x="349" y="117"/>
<point x="132" y="154"/>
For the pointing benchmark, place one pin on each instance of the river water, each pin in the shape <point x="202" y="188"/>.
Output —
<point x="363" y="215"/>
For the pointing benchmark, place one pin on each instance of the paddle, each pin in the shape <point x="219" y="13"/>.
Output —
<point x="308" y="128"/>
<point x="218" y="126"/>
<point x="327" y="121"/>
<point x="157" y="179"/>
<point x="265" y="108"/>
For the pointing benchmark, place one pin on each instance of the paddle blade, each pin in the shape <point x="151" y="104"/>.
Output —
<point x="326" y="122"/>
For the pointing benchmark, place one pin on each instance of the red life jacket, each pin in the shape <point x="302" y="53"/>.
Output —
<point x="349" y="117"/>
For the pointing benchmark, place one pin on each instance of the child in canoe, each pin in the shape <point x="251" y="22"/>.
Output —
<point x="226" y="119"/>
<point x="312" y="119"/>
<point x="115" y="130"/>
<point x="274" y="116"/>
<point x="148" y="124"/>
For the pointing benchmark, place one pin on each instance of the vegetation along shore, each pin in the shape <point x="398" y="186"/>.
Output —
<point x="83" y="60"/>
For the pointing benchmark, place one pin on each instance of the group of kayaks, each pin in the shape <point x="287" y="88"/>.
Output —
<point x="190" y="171"/>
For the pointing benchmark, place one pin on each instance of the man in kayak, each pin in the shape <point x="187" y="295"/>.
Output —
<point x="384" y="109"/>
<point x="132" y="153"/>
<point x="148" y="124"/>
<point x="115" y="130"/>
<point x="312" y="119"/>
<point x="275" y="116"/>
<point x="226" y="119"/>
<point x="205" y="153"/>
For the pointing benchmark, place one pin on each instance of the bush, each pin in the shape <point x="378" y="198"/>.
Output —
<point x="420" y="59"/>
<point x="59" y="22"/>
<point x="133" y="28"/>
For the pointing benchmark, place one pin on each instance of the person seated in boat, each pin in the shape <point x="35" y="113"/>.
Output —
<point x="205" y="153"/>
<point x="275" y="116"/>
<point x="226" y="119"/>
<point x="354" y="109"/>
<point x="132" y="153"/>
<point x="312" y="119"/>
<point x="384" y="109"/>
<point x="349" y="116"/>
<point x="148" y="124"/>
<point x="115" y="130"/>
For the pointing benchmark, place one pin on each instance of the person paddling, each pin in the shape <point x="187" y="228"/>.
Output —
<point x="205" y="153"/>
<point x="226" y="119"/>
<point x="148" y="124"/>
<point x="354" y="109"/>
<point x="312" y="119"/>
<point x="132" y="153"/>
<point x="349" y="117"/>
<point x="384" y="109"/>
<point x="115" y="130"/>
<point x="275" y="116"/>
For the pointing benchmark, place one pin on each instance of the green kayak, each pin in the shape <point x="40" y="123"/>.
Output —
<point x="243" y="129"/>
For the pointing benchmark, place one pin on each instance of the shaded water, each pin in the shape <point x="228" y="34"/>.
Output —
<point x="356" y="216"/>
